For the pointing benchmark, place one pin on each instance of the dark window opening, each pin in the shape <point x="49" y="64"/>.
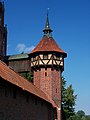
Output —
<point x="45" y="73"/>
<point x="45" y="68"/>
<point x="56" y="90"/>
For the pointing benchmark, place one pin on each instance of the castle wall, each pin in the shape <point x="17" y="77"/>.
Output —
<point x="17" y="104"/>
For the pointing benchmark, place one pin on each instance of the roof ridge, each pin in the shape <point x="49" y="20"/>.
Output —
<point x="48" y="45"/>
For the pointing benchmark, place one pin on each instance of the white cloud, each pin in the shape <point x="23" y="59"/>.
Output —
<point x="23" y="48"/>
<point x="20" y="47"/>
<point x="29" y="49"/>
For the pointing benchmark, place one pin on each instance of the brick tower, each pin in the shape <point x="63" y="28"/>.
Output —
<point x="3" y="33"/>
<point x="47" y="63"/>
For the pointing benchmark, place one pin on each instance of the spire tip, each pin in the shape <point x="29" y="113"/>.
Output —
<point x="47" y="31"/>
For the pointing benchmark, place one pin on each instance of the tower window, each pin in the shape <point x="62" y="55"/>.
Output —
<point x="56" y="90"/>
<point x="45" y="73"/>
<point x="45" y="69"/>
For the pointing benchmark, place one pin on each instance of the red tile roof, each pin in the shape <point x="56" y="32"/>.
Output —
<point x="48" y="44"/>
<point x="11" y="76"/>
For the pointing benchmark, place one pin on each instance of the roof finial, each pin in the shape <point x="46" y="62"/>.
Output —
<point x="48" y="11"/>
<point x="47" y="31"/>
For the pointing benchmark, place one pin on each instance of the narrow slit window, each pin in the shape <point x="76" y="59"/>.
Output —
<point x="45" y="73"/>
<point x="56" y="90"/>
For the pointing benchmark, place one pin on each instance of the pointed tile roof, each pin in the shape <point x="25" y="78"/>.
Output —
<point x="48" y="44"/>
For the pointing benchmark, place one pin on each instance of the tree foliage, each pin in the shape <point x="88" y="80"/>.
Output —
<point x="68" y="104"/>
<point x="28" y="76"/>
<point x="68" y="100"/>
<point x="80" y="115"/>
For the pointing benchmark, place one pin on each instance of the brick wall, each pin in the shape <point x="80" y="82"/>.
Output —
<point x="17" y="104"/>
<point x="49" y="81"/>
<point x="56" y="84"/>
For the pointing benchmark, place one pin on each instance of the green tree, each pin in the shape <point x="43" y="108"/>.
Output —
<point x="87" y="117"/>
<point x="28" y="76"/>
<point x="68" y="101"/>
<point x="81" y="113"/>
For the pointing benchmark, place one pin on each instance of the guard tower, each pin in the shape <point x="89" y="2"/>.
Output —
<point x="47" y="63"/>
<point x="3" y="33"/>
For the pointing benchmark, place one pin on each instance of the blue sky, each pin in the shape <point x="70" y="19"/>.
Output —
<point x="70" y="21"/>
